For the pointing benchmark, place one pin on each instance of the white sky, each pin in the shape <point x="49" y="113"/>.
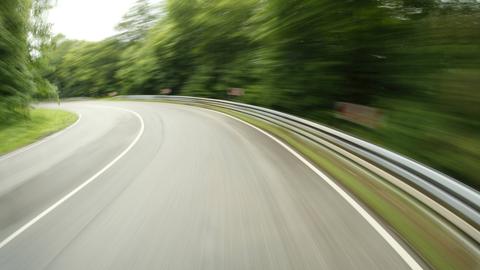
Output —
<point x="87" y="19"/>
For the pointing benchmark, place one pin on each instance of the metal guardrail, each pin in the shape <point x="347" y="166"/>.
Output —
<point x="456" y="202"/>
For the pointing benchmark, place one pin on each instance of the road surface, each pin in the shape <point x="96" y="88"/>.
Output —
<point x="137" y="185"/>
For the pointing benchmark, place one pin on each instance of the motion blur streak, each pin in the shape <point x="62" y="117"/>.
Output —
<point x="201" y="190"/>
<point x="414" y="63"/>
<point x="222" y="197"/>
<point x="390" y="240"/>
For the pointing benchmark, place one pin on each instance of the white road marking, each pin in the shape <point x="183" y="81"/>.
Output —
<point x="84" y="184"/>
<point x="46" y="139"/>
<point x="388" y="238"/>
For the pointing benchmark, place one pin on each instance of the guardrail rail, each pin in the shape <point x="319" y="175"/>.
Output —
<point x="456" y="202"/>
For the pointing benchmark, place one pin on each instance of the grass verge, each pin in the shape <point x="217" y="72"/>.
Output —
<point x="42" y="123"/>
<point x="428" y="236"/>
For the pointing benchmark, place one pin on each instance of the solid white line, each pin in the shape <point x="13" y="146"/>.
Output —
<point x="30" y="146"/>
<point x="388" y="238"/>
<point x="76" y="190"/>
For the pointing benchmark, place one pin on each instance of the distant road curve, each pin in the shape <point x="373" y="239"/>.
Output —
<point x="140" y="185"/>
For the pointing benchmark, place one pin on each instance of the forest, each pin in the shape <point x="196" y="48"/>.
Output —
<point x="418" y="61"/>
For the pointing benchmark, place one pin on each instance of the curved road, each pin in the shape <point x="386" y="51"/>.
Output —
<point x="161" y="186"/>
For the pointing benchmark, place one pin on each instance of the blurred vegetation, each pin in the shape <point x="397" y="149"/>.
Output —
<point x="416" y="60"/>
<point x="24" y="37"/>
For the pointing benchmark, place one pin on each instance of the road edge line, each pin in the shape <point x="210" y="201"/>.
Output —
<point x="45" y="212"/>
<point x="407" y="258"/>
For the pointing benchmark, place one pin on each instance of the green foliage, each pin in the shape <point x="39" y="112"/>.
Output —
<point x="24" y="39"/>
<point x="418" y="60"/>
<point x="16" y="82"/>
<point x="86" y="68"/>
<point x="136" y="22"/>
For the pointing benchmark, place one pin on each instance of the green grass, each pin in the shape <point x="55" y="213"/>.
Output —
<point x="42" y="123"/>
<point x="432" y="241"/>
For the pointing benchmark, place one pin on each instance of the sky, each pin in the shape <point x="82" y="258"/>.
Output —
<point x="91" y="20"/>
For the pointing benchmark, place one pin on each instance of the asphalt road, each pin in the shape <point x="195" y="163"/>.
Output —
<point x="161" y="186"/>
